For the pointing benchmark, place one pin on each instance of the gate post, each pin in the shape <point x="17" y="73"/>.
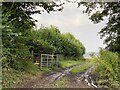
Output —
<point x="47" y="60"/>
<point x="41" y="62"/>
<point x="57" y="60"/>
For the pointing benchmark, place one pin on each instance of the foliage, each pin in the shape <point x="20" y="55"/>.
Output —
<point x="26" y="66"/>
<point x="111" y="32"/>
<point x="16" y="74"/>
<point x="13" y="43"/>
<point x="12" y="77"/>
<point x="20" y="12"/>
<point x="108" y="68"/>
<point x="16" y="30"/>
<point x="40" y="46"/>
<point x="19" y="39"/>
<point x="62" y="42"/>
<point x="77" y="47"/>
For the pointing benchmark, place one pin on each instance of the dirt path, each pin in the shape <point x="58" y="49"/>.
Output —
<point x="49" y="80"/>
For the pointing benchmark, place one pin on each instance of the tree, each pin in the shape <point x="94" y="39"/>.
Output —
<point x="20" y="12"/>
<point x="78" y="47"/>
<point x="111" y="32"/>
<point x="65" y="44"/>
<point x="16" y="25"/>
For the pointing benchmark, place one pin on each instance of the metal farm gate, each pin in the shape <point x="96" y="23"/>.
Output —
<point x="48" y="60"/>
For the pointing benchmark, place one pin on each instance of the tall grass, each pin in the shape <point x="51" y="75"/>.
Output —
<point x="108" y="68"/>
<point x="11" y="75"/>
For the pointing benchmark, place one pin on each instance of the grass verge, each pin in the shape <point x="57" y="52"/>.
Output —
<point x="68" y="63"/>
<point x="12" y="77"/>
<point x="61" y="83"/>
<point x="0" y="77"/>
<point x="82" y="68"/>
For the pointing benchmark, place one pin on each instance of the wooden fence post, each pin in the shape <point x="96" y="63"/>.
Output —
<point x="41" y="62"/>
<point x="47" y="61"/>
<point x="57" y="61"/>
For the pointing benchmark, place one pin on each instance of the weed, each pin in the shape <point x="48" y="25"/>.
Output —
<point x="108" y="68"/>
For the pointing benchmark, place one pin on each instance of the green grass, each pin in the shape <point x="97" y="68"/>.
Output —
<point x="10" y="77"/>
<point x="82" y="68"/>
<point x="61" y="83"/>
<point x="0" y="77"/>
<point x="45" y="70"/>
<point x="13" y="77"/>
<point x="68" y="63"/>
<point x="0" y="73"/>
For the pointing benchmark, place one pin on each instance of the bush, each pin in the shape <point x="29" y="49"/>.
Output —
<point x="10" y="77"/>
<point x="27" y="66"/>
<point x="108" y="68"/>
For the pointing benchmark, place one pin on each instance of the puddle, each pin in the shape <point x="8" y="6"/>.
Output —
<point x="88" y="77"/>
<point x="85" y="76"/>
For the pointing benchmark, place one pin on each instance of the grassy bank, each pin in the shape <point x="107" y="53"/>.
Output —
<point x="12" y="77"/>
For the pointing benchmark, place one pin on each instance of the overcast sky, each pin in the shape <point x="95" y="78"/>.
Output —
<point x="72" y="20"/>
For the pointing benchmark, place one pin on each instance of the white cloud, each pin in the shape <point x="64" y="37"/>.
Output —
<point x="72" y="20"/>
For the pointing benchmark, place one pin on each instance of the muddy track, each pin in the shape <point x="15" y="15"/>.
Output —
<point x="81" y="80"/>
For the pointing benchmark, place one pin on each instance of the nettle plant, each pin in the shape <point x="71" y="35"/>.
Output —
<point x="108" y="68"/>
